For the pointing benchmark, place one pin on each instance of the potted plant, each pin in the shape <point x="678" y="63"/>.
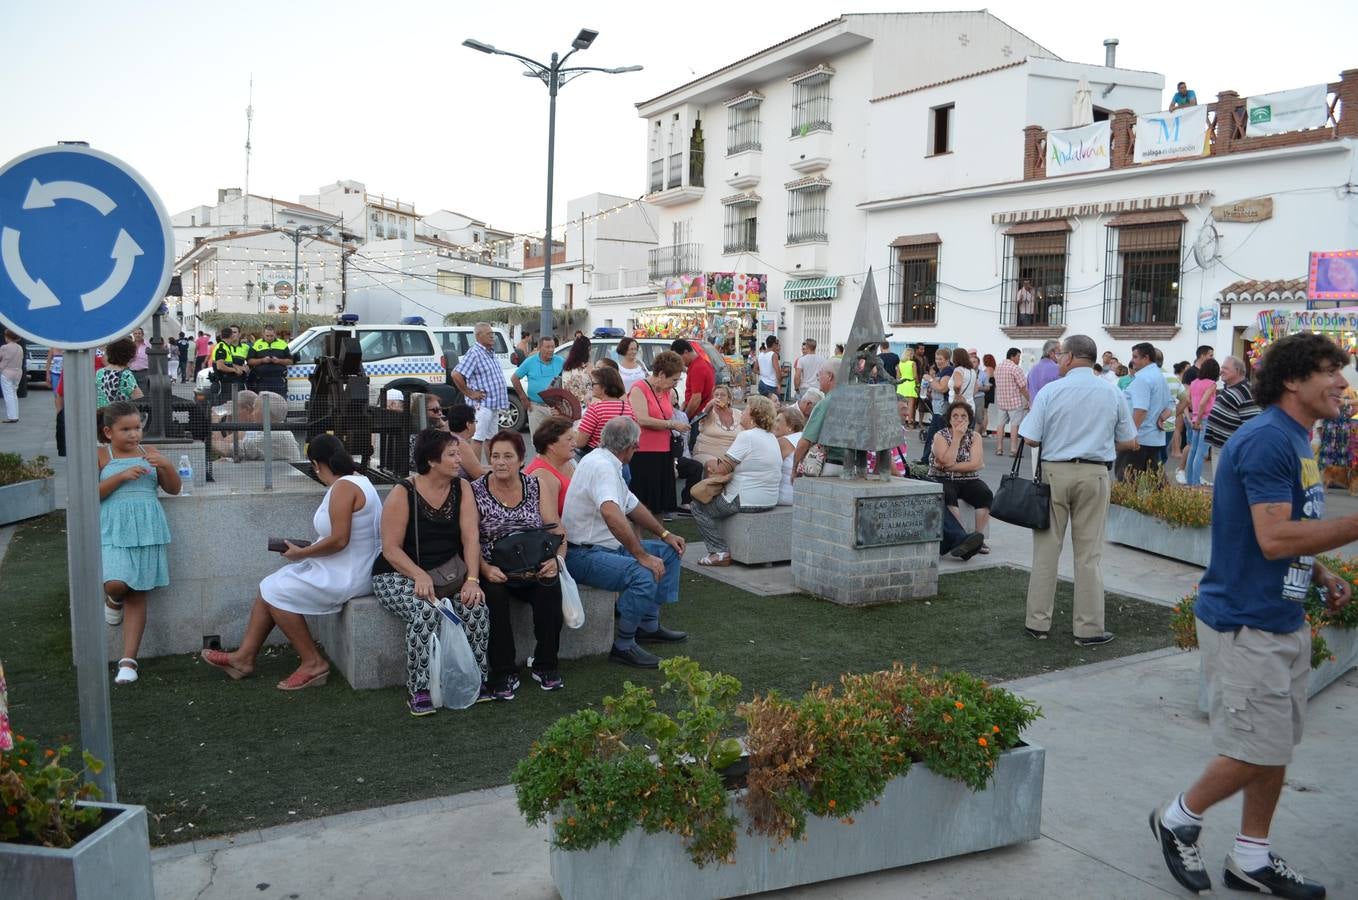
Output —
<point x="1334" y="634"/>
<point x="27" y="489"/>
<point x="631" y="789"/>
<point x="57" y="841"/>
<point x="1144" y="504"/>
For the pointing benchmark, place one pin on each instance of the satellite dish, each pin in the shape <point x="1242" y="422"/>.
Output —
<point x="1206" y="246"/>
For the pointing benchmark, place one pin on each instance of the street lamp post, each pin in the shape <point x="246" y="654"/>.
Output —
<point x="297" y="234"/>
<point x="553" y="75"/>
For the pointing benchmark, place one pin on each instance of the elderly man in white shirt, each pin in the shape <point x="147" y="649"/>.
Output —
<point x="604" y="552"/>
<point x="1078" y="422"/>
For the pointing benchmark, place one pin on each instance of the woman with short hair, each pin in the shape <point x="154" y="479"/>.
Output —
<point x="462" y="424"/>
<point x="607" y="403"/>
<point x="787" y="427"/>
<point x="115" y="382"/>
<point x="754" y="464"/>
<point x="427" y="520"/>
<point x="320" y="577"/>
<point x="509" y="502"/>
<point x="956" y="462"/>
<point x="554" y="465"/>
<point x="718" y="428"/>
<point x="629" y="367"/>
<point x="653" y="463"/>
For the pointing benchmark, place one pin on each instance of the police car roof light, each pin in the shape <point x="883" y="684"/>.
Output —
<point x="349" y="319"/>
<point x="412" y="320"/>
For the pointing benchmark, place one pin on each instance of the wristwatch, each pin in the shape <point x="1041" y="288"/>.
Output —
<point x="664" y="534"/>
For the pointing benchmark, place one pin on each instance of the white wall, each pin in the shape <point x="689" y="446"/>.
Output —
<point x="1311" y="212"/>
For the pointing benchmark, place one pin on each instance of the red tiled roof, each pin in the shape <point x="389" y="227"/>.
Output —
<point x="1254" y="286"/>
<point x="925" y="87"/>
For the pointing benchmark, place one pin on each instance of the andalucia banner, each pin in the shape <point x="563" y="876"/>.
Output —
<point x="1288" y="110"/>
<point x="1084" y="149"/>
<point x="1171" y="135"/>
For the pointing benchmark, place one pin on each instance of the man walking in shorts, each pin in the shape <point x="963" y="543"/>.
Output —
<point x="1268" y="502"/>
<point x="479" y="377"/>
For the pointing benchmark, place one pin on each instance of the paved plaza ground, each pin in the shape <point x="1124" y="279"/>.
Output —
<point x="1121" y="736"/>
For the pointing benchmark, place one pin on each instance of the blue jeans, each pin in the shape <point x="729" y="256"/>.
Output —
<point x="640" y="595"/>
<point x="1197" y="452"/>
<point x="766" y="390"/>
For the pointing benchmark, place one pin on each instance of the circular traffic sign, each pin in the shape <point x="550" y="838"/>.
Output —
<point x="282" y="290"/>
<point x="86" y="247"/>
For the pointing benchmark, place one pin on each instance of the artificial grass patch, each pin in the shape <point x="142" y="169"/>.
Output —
<point x="208" y="756"/>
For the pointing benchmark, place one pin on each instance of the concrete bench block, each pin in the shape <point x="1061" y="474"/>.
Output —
<point x="368" y="644"/>
<point x="759" y="537"/>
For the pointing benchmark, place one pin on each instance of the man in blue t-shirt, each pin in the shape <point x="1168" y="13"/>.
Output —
<point x="1267" y="505"/>
<point x="1182" y="97"/>
<point x="1148" y="399"/>
<point x="541" y="369"/>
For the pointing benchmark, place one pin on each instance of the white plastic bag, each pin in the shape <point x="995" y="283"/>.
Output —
<point x="572" y="610"/>
<point x="454" y="676"/>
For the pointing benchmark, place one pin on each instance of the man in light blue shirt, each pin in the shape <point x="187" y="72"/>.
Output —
<point x="541" y="369"/>
<point x="1149" y="400"/>
<point x="1078" y="422"/>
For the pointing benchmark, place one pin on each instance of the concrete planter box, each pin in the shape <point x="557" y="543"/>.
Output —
<point x="1134" y="529"/>
<point x="1343" y="644"/>
<point x="27" y="499"/>
<point x="112" y="863"/>
<point x="920" y="817"/>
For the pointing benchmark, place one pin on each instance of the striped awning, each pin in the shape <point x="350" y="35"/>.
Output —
<point x="811" y="288"/>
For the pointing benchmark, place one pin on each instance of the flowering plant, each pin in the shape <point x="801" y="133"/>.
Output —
<point x="14" y="469"/>
<point x="38" y="796"/>
<point x="1149" y="494"/>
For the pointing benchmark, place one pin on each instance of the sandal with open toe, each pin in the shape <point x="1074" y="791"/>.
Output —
<point x="715" y="559"/>
<point x="298" y="681"/>
<point x="127" y="671"/>
<point x="220" y="659"/>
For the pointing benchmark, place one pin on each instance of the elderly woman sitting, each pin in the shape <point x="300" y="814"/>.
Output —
<point x="754" y="469"/>
<point x="787" y="427"/>
<point x="282" y="442"/>
<point x="508" y="503"/>
<point x="956" y="461"/>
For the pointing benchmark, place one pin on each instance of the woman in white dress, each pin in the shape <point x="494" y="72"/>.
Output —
<point x="321" y="576"/>
<point x="629" y="367"/>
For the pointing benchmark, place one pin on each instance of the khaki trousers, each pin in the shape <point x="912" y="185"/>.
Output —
<point x="540" y="413"/>
<point x="1079" y="501"/>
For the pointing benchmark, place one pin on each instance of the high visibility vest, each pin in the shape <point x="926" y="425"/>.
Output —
<point x="275" y="344"/>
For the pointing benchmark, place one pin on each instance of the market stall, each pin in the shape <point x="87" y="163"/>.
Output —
<point x="1341" y="325"/>
<point x="719" y="307"/>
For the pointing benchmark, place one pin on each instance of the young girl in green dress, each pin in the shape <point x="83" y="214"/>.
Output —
<point x="133" y="530"/>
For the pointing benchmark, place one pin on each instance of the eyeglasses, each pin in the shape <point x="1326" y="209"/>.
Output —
<point x="437" y="412"/>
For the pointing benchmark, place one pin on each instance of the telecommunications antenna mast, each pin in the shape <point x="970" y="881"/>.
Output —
<point x="249" y="119"/>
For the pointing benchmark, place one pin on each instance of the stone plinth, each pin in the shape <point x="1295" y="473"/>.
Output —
<point x="368" y="644"/>
<point x="1133" y="529"/>
<point x="759" y="537"/>
<point x="858" y="542"/>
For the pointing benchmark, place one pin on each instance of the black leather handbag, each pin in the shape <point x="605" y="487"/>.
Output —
<point x="521" y="554"/>
<point x="1023" y="501"/>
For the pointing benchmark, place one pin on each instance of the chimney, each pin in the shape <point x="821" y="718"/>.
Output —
<point x="1110" y="52"/>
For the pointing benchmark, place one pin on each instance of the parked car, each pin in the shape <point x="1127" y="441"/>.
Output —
<point x="394" y="356"/>
<point x="35" y="363"/>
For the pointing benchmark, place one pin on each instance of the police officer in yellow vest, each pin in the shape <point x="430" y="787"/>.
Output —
<point x="229" y="362"/>
<point x="269" y="361"/>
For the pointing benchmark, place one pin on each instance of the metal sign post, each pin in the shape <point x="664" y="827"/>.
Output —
<point x="85" y="255"/>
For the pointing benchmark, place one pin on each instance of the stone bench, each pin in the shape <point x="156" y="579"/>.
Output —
<point x="759" y="537"/>
<point x="368" y="644"/>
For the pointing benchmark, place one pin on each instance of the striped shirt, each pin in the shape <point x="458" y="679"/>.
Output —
<point x="598" y="414"/>
<point x="483" y="373"/>
<point x="1010" y="385"/>
<point x="1234" y="407"/>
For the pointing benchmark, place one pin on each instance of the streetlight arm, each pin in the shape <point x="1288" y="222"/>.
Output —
<point x="618" y="70"/>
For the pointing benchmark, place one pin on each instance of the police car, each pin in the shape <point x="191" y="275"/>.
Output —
<point x="394" y="356"/>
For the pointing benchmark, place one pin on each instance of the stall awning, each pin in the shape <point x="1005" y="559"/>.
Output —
<point x="811" y="288"/>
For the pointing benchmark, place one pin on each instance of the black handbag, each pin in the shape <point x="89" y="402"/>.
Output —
<point x="521" y="554"/>
<point x="1023" y="501"/>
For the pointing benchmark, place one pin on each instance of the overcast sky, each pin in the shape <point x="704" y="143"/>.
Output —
<point x="384" y="93"/>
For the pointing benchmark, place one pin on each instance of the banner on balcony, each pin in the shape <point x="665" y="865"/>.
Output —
<point x="1288" y="110"/>
<point x="1084" y="149"/>
<point x="686" y="290"/>
<point x="737" y="290"/>
<point x="1171" y="135"/>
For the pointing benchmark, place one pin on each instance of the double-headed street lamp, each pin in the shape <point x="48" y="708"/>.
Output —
<point x="554" y="76"/>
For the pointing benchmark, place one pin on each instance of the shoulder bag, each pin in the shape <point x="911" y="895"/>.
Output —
<point x="521" y="554"/>
<point x="1023" y="501"/>
<point x="448" y="576"/>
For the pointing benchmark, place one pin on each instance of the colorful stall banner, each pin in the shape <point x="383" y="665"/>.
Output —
<point x="737" y="290"/>
<point x="686" y="290"/>
<point x="1171" y="135"/>
<point x="1324" y="321"/>
<point x="1284" y="111"/>
<point x="1084" y="149"/>
<point x="1333" y="275"/>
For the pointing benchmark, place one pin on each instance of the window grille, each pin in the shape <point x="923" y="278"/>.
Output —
<point x="1041" y="259"/>
<point x="742" y="128"/>
<point x="815" y="324"/>
<point x="741" y="229"/>
<point x="1142" y="271"/>
<point x="807" y="214"/>
<point x="811" y="107"/>
<point x="913" y="292"/>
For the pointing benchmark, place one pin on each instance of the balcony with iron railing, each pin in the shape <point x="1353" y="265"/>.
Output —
<point x="1227" y="130"/>
<point x="673" y="261"/>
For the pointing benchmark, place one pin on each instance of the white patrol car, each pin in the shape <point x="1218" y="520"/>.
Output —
<point x="394" y="356"/>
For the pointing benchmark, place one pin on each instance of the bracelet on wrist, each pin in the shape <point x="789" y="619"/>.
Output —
<point x="473" y="579"/>
<point x="664" y="533"/>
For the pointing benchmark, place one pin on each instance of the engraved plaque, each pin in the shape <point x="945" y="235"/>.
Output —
<point x="900" y="519"/>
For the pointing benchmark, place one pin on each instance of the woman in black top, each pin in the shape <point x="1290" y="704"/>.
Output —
<point x="447" y="527"/>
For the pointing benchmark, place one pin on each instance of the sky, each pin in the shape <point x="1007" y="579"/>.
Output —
<point x="385" y="94"/>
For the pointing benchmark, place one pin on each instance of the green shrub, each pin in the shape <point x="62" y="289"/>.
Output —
<point x="1148" y="493"/>
<point x="13" y="468"/>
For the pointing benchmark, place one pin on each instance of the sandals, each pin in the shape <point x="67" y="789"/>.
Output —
<point x="127" y="671"/>
<point x="985" y="549"/>
<point x="715" y="559"/>
<point x="298" y="681"/>
<point x="220" y="659"/>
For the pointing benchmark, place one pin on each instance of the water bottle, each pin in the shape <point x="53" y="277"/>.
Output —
<point x="185" y="476"/>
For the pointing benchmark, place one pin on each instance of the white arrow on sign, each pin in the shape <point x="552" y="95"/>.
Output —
<point x="39" y="295"/>
<point x="43" y="195"/>
<point x="125" y="253"/>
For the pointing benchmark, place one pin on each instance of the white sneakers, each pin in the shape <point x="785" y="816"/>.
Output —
<point x="1180" y="477"/>
<point x="127" y="671"/>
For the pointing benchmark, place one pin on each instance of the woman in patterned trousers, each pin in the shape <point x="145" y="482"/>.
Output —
<point x="426" y="521"/>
